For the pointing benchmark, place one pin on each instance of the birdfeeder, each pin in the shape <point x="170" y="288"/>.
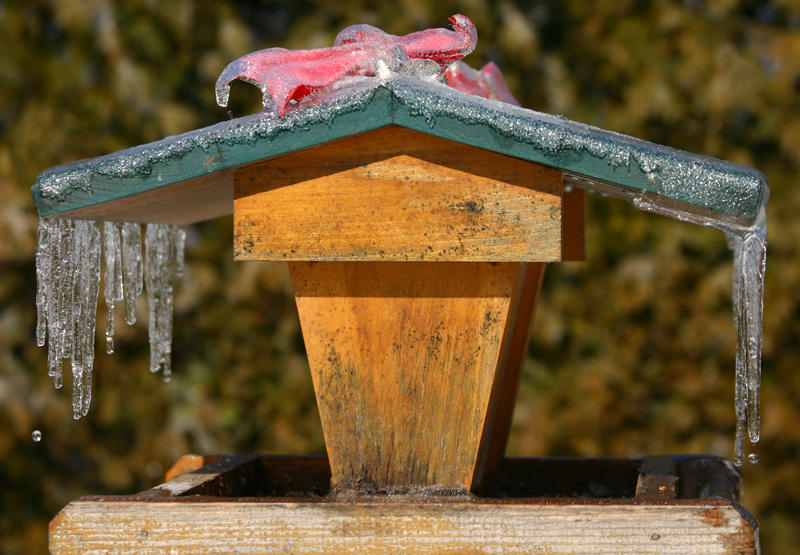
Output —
<point x="416" y="221"/>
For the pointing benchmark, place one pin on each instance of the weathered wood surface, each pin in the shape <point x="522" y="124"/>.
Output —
<point x="407" y="361"/>
<point x="395" y="194"/>
<point x="189" y="463"/>
<point x="95" y="525"/>
<point x="498" y="422"/>
<point x="184" y="202"/>
<point x="220" y="476"/>
<point x="173" y="518"/>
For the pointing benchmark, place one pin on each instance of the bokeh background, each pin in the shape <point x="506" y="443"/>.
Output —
<point x="632" y="351"/>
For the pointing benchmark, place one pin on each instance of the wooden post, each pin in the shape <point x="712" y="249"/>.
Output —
<point x="408" y="363"/>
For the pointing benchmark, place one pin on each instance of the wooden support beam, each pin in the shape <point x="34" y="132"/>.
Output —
<point x="408" y="362"/>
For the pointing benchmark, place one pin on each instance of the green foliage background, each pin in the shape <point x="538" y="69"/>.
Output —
<point x="632" y="351"/>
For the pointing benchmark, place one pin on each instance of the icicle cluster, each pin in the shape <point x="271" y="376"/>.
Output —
<point x="68" y="276"/>
<point x="68" y="261"/>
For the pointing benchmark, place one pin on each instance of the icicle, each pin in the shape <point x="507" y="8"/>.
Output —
<point x="753" y="261"/>
<point x="64" y="288"/>
<point x="180" y="241"/>
<point x="76" y="307"/>
<point x="44" y="267"/>
<point x="161" y="255"/>
<point x="749" y="263"/>
<point x="90" y="275"/>
<point x="131" y="268"/>
<point x="87" y="255"/>
<point x="112" y="280"/>
<point x="740" y="382"/>
<point x="749" y="246"/>
<point x="46" y="299"/>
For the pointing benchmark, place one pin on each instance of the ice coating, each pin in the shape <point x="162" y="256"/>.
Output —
<point x="360" y="104"/>
<point x="290" y="75"/>
<point x="618" y="159"/>
<point x="749" y="247"/>
<point x="69" y="257"/>
<point x="141" y="168"/>
<point x="488" y="82"/>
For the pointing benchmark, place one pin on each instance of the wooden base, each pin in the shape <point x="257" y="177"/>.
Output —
<point x="603" y="505"/>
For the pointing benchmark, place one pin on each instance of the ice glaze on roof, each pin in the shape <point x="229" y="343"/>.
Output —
<point x="361" y="104"/>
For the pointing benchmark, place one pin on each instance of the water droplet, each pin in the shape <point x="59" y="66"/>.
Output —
<point x="36" y="436"/>
<point x="752" y="458"/>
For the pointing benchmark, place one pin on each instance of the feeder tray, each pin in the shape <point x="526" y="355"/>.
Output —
<point x="256" y="503"/>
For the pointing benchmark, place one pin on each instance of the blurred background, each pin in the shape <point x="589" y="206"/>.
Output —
<point x="632" y="351"/>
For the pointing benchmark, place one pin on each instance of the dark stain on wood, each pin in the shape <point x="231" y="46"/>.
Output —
<point x="714" y="517"/>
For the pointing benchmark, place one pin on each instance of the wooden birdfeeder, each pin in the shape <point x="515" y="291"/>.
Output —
<point x="416" y="223"/>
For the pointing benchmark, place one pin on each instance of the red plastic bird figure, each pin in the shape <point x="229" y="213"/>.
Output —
<point x="488" y="82"/>
<point x="286" y="75"/>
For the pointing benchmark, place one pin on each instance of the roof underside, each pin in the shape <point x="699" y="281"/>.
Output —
<point x="631" y="165"/>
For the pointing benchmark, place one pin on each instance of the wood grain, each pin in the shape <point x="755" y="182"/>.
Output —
<point x="277" y="503"/>
<point x="404" y="359"/>
<point x="259" y="525"/>
<point x="395" y="194"/>
<point x="185" y="202"/>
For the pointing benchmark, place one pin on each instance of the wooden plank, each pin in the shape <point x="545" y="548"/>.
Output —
<point x="184" y="202"/>
<point x="173" y="518"/>
<point x="245" y="475"/>
<point x="395" y="194"/>
<point x="189" y="463"/>
<point x="189" y="525"/>
<point x="225" y="476"/>
<point x="403" y="358"/>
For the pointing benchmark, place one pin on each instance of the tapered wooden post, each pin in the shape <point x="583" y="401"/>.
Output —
<point x="416" y="263"/>
<point x="407" y="363"/>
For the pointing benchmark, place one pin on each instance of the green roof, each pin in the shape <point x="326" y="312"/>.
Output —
<point x="629" y="164"/>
